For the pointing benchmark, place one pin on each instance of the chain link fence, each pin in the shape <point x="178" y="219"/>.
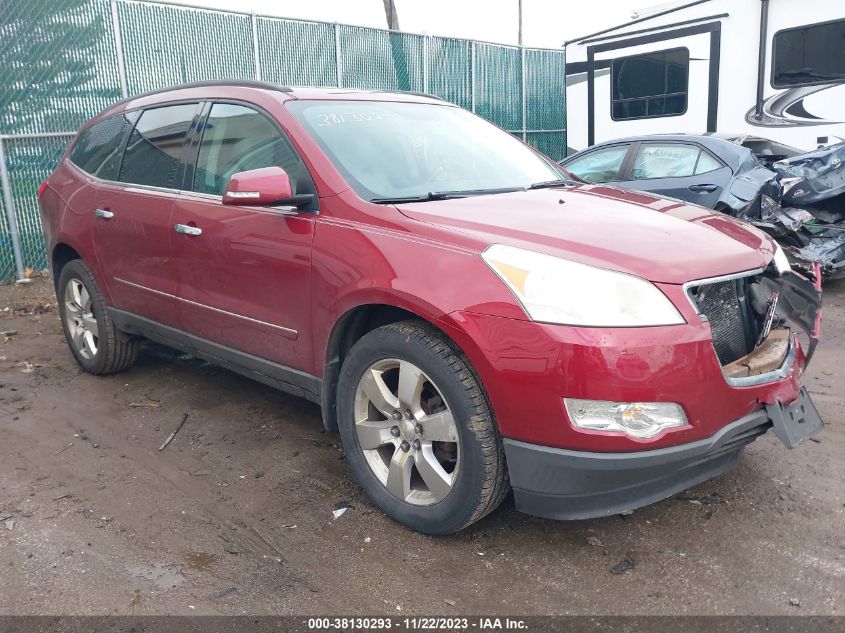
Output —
<point x="62" y="61"/>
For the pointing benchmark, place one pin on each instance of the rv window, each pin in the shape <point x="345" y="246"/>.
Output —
<point x="808" y="55"/>
<point x="650" y="85"/>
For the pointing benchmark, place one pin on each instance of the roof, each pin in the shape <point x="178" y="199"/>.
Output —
<point x="637" y="21"/>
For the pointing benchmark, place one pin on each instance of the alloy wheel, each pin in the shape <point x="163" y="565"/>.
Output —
<point x="79" y="318"/>
<point x="407" y="432"/>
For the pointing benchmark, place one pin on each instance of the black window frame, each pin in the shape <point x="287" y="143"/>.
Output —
<point x="180" y="169"/>
<point x="818" y="82"/>
<point x="701" y="148"/>
<point x="194" y="140"/>
<point x="646" y="99"/>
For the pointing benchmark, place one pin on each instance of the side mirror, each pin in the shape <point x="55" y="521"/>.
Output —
<point x="263" y="187"/>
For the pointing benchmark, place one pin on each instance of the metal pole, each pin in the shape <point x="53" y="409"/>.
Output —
<point x="472" y="74"/>
<point x="425" y="63"/>
<point x="255" y="55"/>
<point x="519" y="33"/>
<point x="10" y="214"/>
<point x="761" y="58"/>
<point x="118" y="46"/>
<point x="337" y="55"/>
<point x="524" y="92"/>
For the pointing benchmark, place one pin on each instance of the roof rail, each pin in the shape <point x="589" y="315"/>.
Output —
<point x="237" y="83"/>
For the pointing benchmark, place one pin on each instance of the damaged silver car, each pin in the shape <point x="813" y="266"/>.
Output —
<point x="797" y="197"/>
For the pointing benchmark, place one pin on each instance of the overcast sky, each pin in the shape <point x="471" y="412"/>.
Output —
<point x="547" y="23"/>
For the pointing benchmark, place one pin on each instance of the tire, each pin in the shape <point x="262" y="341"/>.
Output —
<point x="96" y="344"/>
<point x="472" y="479"/>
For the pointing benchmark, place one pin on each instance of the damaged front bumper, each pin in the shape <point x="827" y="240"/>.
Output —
<point x="566" y="483"/>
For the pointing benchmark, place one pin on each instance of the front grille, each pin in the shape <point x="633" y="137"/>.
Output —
<point x="723" y="305"/>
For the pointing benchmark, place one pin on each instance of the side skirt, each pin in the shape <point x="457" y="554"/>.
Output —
<point x="292" y="381"/>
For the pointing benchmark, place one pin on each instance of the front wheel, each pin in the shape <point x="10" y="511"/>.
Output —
<point x="418" y="431"/>
<point x="94" y="341"/>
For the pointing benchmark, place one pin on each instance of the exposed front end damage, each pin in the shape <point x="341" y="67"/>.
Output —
<point x="755" y="319"/>
<point x="800" y="201"/>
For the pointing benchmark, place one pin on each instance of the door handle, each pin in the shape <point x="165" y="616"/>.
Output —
<point x="703" y="188"/>
<point x="188" y="230"/>
<point x="104" y="213"/>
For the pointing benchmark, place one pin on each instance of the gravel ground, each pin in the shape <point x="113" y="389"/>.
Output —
<point x="235" y="516"/>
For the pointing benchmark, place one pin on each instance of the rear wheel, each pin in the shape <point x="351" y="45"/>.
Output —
<point x="94" y="341"/>
<point x="417" y="429"/>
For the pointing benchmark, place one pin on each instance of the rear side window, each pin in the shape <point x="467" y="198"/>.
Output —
<point x="98" y="148"/>
<point x="600" y="165"/>
<point x="672" y="160"/>
<point x="154" y="149"/>
<point x="809" y="55"/>
<point x="649" y="86"/>
<point x="237" y="138"/>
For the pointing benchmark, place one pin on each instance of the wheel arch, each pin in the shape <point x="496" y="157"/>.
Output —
<point x="62" y="254"/>
<point x="350" y="327"/>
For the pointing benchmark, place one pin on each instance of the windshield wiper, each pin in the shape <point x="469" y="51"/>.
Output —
<point x="443" y="195"/>
<point x="546" y="184"/>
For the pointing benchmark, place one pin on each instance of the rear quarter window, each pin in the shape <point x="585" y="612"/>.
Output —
<point x="98" y="148"/>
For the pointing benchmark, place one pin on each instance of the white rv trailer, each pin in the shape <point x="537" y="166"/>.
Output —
<point x="767" y="68"/>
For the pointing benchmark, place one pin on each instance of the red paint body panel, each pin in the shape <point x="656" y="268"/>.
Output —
<point x="279" y="283"/>
<point x="249" y="261"/>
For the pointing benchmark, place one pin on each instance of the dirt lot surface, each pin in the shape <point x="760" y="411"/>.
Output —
<point x="236" y="515"/>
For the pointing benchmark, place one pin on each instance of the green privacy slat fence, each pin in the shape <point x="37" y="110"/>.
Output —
<point x="297" y="53"/>
<point x="62" y="61"/>
<point x="450" y="70"/>
<point x="164" y="46"/>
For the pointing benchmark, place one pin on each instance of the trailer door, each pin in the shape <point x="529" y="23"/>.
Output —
<point x="660" y="83"/>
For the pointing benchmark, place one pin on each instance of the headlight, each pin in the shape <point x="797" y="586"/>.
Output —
<point x="641" y="420"/>
<point x="780" y="260"/>
<point x="554" y="290"/>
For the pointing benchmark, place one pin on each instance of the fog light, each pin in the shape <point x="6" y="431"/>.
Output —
<point x="635" y="419"/>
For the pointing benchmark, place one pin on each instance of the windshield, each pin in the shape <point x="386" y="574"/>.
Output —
<point x="389" y="151"/>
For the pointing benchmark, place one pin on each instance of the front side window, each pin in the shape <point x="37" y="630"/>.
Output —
<point x="813" y="54"/>
<point x="601" y="165"/>
<point x="672" y="160"/>
<point x="237" y="138"/>
<point x="650" y="85"/>
<point x="389" y="150"/>
<point x="99" y="147"/>
<point x="154" y="148"/>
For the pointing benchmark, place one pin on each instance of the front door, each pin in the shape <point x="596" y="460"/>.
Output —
<point x="244" y="272"/>
<point x="132" y="229"/>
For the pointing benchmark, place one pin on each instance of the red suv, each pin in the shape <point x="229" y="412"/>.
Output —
<point x="470" y="317"/>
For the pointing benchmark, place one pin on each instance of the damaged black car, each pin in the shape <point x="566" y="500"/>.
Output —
<point x="797" y="197"/>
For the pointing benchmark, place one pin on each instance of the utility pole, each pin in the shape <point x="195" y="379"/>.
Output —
<point x="519" y="35"/>
<point x="397" y="47"/>
<point x="391" y="15"/>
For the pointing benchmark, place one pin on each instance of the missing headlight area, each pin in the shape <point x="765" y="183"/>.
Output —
<point x="800" y="201"/>
<point x="753" y="319"/>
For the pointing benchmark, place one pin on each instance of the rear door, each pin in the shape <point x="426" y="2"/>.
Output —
<point x="678" y="170"/>
<point x="132" y="224"/>
<point x="244" y="273"/>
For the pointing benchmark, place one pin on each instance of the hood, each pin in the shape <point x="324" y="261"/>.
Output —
<point x="662" y="240"/>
